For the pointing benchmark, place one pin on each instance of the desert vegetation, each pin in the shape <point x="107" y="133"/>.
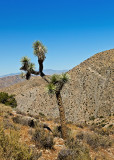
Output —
<point x="11" y="148"/>
<point x="42" y="139"/>
<point x="75" y="150"/>
<point x="20" y="140"/>
<point x="95" y="140"/>
<point x="55" y="83"/>
<point x="11" y="144"/>
<point x="8" y="99"/>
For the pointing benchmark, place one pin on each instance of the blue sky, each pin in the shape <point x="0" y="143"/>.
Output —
<point x="72" y="30"/>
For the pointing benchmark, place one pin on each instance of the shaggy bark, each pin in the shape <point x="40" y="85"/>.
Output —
<point x="62" y="115"/>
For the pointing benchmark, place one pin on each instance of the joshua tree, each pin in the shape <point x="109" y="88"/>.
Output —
<point x="54" y="84"/>
<point x="40" y="51"/>
<point x="54" y="87"/>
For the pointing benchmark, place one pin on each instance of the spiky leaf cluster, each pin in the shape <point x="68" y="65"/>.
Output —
<point x="51" y="88"/>
<point x="27" y="66"/>
<point x="54" y="78"/>
<point x="65" y="77"/>
<point x="31" y="66"/>
<point x="25" y="60"/>
<point x="57" y="82"/>
<point x="39" y="50"/>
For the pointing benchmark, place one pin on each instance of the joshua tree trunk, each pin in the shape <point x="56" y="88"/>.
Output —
<point x="62" y="115"/>
<point x="41" y="68"/>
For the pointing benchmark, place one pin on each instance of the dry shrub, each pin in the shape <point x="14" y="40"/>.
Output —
<point x="70" y="154"/>
<point x="80" y="135"/>
<point x="76" y="151"/>
<point x="42" y="138"/>
<point x="102" y="131"/>
<point x="105" y="141"/>
<point x="25" y="120"/>
<point x="11" y="148"/>
<point x="8" y="125"/>
<point x="95" y="140"/>
<point x="57" y="131"/>
<point x="91" y="139"/>
<point x="5" y="111"/>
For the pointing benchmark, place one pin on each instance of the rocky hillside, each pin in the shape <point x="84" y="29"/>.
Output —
<point x="10" y="80"/>
<point x="22" y="133"/>
<point x="90" y="90"/>
<point x="88" y="94"/>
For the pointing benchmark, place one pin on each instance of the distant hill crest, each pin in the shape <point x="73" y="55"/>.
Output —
<point x="13" y="78"/>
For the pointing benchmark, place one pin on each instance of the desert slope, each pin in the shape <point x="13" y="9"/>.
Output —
<point x="10" y="80"/>
<point x="89" y="92"/>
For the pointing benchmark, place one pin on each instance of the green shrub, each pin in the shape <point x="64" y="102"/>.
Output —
<point x="42" y="138"/>
<point x="8" y="100"/>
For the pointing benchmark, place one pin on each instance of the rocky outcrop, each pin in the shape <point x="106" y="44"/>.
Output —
<point x="89" y="92"/>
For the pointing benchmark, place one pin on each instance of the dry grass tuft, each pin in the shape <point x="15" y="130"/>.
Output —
<point x="42" y="138"/>
<point x="11" y="148"/>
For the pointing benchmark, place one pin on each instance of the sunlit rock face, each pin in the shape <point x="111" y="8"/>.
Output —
<point x="90" y="90"/>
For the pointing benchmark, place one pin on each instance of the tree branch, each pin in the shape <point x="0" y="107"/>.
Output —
<point x="35" y="72"/>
